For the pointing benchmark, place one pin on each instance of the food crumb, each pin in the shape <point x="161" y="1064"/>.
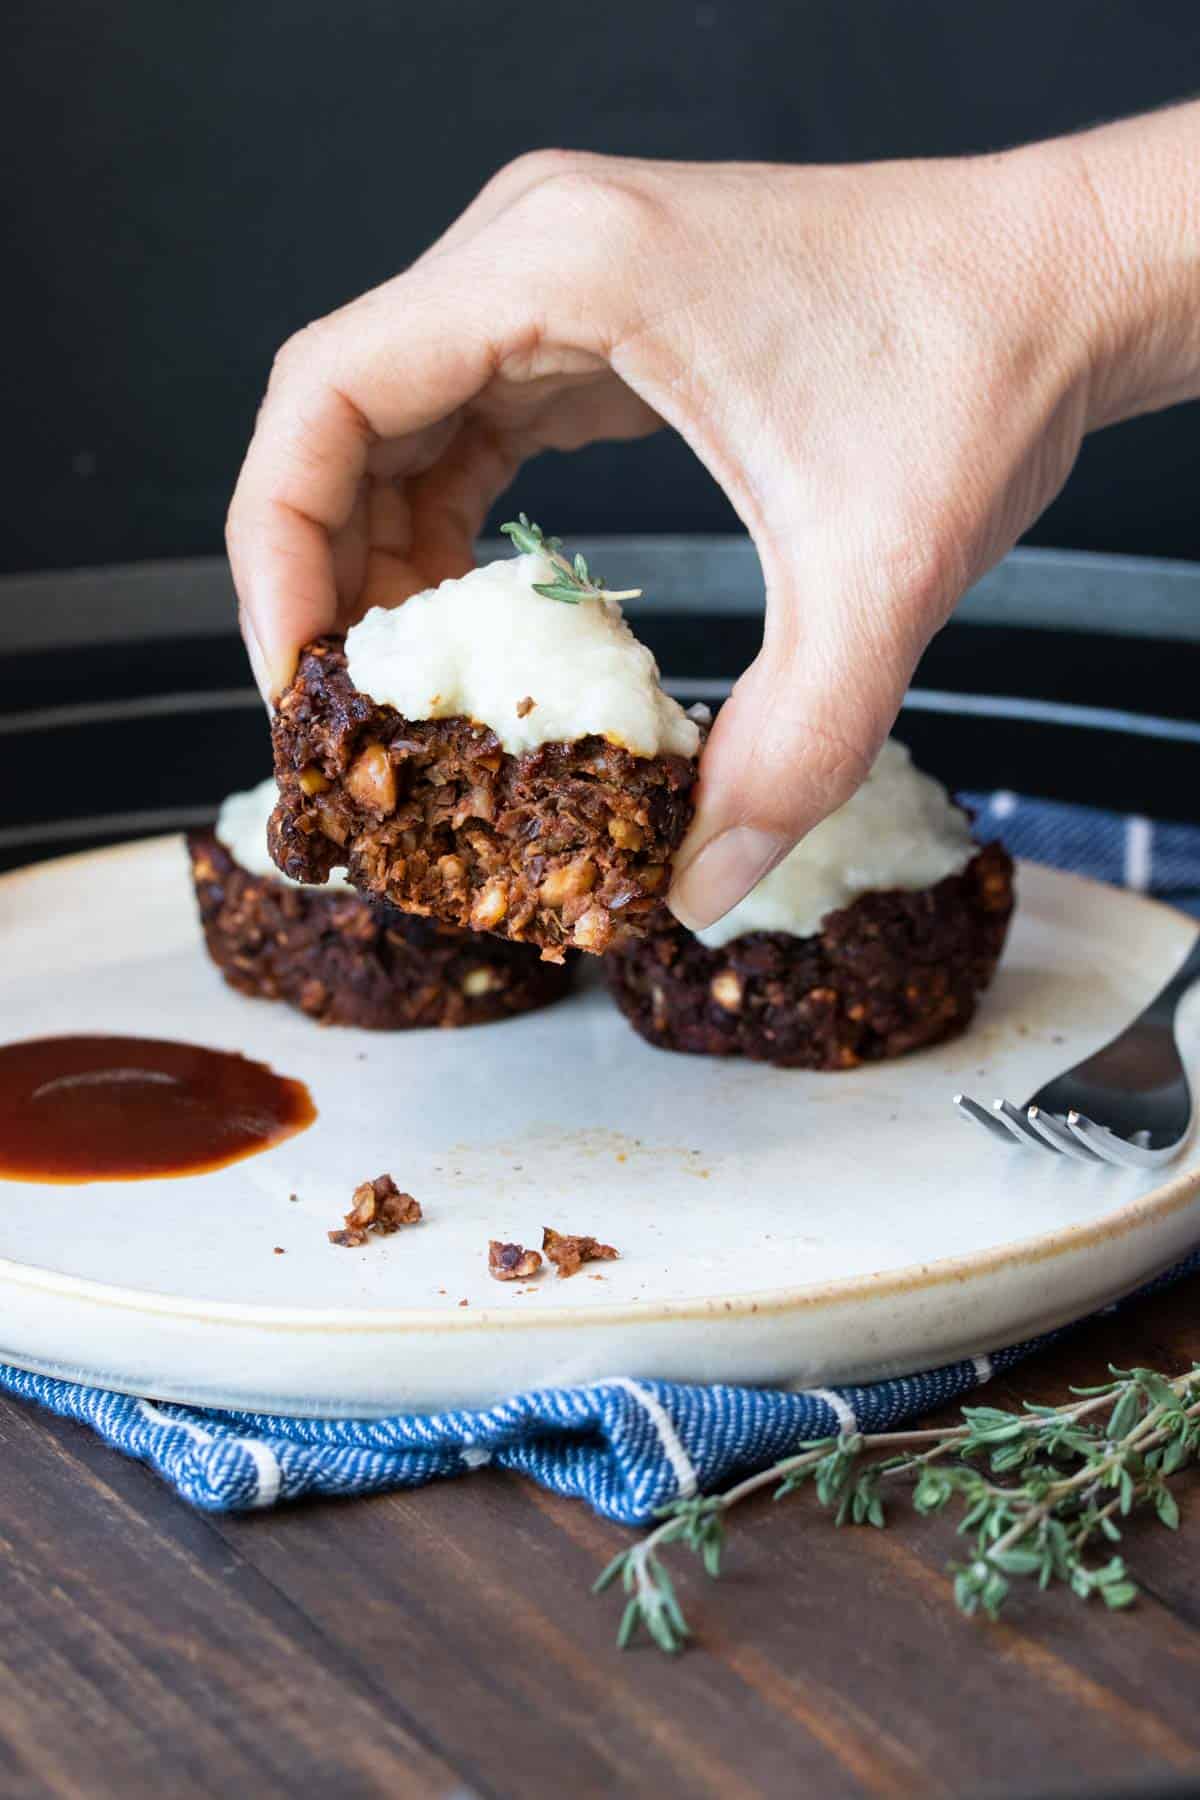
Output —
<point x="569" y="1252"/>
<point x="511" y="1262"/>
<point x="377" y="1206"/>
<point x="525" y="707"/>
<point x="293" y="1198"/>
<point x="464" y="1303"/>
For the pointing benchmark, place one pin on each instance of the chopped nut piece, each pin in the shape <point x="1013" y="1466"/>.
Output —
<point x="376" y="1206"/>
<point x="593" y="930"/>
<point x="490" y="907"/>
<point x="625" y="834"/>
<point x="726" y="990"/>
<point x="525" y="707"/>
<point x="479" y="981"/>
<point x="512" y="1262"/>
<point x="371" y="779"/>
<point x="312" y="781"/>
<point x="568" y="1253"/>
<point x="578" y="877"/>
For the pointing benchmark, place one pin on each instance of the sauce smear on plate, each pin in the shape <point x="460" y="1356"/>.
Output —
<point x="76" y="1109"/>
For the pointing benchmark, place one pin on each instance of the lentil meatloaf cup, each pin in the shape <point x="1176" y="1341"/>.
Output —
<point x="891" y="972"/>
<point x="566" y="845"/>
<point x="345" y="960"/>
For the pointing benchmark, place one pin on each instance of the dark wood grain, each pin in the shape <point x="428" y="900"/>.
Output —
<point x="444" y="1642"/>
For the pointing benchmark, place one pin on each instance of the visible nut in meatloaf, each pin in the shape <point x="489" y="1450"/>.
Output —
<point x="891" y="972"/>
<point x="345" y="960"/>
<point x="567" y="844"/>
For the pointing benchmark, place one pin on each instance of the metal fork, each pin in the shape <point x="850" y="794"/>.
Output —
<point x="1128" y="1104"/>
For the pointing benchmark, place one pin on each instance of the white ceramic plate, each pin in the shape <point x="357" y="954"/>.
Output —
<point x="774" y="1226"/>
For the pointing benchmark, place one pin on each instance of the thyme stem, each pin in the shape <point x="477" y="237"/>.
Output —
<point x="574" y="580"/>
<point x="1029" y="1512"/>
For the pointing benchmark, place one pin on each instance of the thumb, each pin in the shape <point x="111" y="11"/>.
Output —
<point x="793" y="742"/>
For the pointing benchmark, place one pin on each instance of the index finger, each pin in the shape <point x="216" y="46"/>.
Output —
<point x="391" y="365"/>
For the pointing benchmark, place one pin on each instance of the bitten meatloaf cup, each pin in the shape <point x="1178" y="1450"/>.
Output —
<point x="492" y="758"/>
<point x="345" y="960"/>
<point x="894" y="967"/>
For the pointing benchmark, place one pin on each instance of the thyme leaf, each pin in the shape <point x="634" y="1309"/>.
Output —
<point x="574" y="582"/>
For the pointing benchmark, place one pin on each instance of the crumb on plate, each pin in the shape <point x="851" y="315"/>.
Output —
<point x="569" y="1252"/>
<point x="511" y="1262"/>
<point x="377" y="1206"/>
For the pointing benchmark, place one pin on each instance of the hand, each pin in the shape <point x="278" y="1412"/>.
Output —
<point x="888" y="368"/>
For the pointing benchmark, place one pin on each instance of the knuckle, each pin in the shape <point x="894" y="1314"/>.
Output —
<point x="296" y="353"/>
<point x="533" y="168"/>
<point x="595" y="197"/>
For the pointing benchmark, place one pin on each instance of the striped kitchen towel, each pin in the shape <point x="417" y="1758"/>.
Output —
<point x="627" y="1446"/>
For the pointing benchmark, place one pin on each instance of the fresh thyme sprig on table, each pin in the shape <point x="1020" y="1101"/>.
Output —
<point x="1066" y="1475"/>
<point x="574" y="581"/>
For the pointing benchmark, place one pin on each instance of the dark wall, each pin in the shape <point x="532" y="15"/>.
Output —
<point x="187" y="183"/>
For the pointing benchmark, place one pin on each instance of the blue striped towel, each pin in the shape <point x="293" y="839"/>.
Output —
<point x="626" y="1446"/>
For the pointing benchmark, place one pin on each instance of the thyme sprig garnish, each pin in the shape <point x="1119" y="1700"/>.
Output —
<point x="1040" y="1492"/>
<point x="575" y="581"/>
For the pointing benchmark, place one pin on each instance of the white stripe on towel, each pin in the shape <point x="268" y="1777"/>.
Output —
<point x="1139" y="837"/>
<point x="842" y="1410"/>
<point x="681" y="1463"/>
<point x="267" y="1468"/>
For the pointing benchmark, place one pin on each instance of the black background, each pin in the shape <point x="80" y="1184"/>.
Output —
<point x="186" y="184"/>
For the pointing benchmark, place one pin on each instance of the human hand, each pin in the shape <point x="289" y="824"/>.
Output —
<point x="889" y="369"/>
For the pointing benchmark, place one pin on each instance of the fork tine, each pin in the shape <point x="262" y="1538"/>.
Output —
<point x="1020" y="1127"/>
<point x="1056" y="1133"/>
<point x="979" y="1115"/>
<point x="1098" y="1139"/>
<point x="1122" y="1152"/>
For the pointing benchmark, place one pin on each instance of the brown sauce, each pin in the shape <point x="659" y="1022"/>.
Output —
<point x="125" y="1109"/>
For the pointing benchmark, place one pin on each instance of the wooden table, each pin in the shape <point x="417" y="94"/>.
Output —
<point x="443" y="1642"/>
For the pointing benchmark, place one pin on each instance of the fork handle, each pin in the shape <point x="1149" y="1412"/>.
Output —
<point x="1161" y="1010"/>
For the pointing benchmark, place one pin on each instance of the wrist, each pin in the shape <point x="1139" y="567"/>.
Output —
<point x="1118" y="213"/>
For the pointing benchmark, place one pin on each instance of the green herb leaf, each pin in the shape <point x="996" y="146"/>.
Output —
<point x="574" y="582"/>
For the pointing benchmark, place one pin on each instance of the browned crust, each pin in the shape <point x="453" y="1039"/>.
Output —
<point x="566" y="845"/>
<point x="347" y="961"/>
<point x="890" y="973"/>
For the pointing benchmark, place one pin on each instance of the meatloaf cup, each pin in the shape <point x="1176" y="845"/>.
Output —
<point x="491" y="758"/>
<point x="343" y="959"/>
<point x="892" y="969"/>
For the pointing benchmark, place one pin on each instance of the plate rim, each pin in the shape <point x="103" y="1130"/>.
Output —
<point x="1140" y="1212"/>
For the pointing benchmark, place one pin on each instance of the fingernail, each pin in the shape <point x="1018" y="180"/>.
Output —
<point x="722" y="873"/>
<point x="258" y="662"/>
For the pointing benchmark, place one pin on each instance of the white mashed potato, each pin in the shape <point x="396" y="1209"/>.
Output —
<point x="900" y="830"/>
<point x="485" y="645"/>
